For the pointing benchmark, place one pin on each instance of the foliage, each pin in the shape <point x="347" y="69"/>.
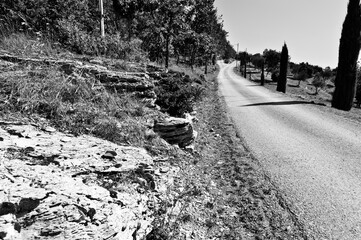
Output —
<point x="73" y="104"/>
<point x="345" y="82"/>
<point x="272" y="59"/>
<point x="358" y="86"/>
<point x="22" y="44"/>
<point x="243" y="57"/>
<point x="327" y="73"/>
<point x="282" y="80"/>
<point x="257" y="60"/>
<point x="275" y="75"/>
<point x="92" y="44"/>
<point x="318" y="82"/>
<point x="188" y="28"/>
<point x="177" y="94"/>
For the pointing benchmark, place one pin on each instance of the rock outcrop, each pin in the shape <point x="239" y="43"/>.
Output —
<point x="138" y="83"/>
<point x="175" y="131"/>
<point x="66" y="187"/>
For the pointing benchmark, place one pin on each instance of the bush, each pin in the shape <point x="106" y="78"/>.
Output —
<point x="275" y="75"/>
<point x="176" y="95"/>
<point x="318" y="82"/>
<point x="358" y="86"/>
<point x="112" y="46"/>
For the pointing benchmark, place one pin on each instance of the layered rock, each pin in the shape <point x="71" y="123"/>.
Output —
<point x="66" y="187"/>
<point x="120" y="81"/>
<point x="176" y="131"/>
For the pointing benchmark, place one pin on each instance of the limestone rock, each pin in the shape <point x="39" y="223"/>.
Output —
<point x="175" y="131"/>
<point x="58" y="186"/>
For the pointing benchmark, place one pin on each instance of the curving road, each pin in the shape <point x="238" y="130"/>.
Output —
<point x="312" y="156"/>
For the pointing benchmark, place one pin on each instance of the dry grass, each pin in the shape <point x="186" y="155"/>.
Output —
<point x="73" y="104"/>
<point x="22" y="44"/>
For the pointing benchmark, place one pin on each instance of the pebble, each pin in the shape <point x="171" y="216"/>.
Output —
<point x="49" y="129"/>
<point x="109" y="155"/>
<point x="65" y="139"/>
<point x="164" y="169"/>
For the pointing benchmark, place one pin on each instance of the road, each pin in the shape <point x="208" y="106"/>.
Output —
<point x="312" y="156"/>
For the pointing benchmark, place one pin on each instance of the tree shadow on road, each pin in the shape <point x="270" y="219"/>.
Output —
<point x="278" y="103"/>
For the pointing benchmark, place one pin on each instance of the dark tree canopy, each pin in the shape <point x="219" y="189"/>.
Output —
<point x="189" y="30"/>
<point x="347" y="60"/>
<point x="282" y="80"/>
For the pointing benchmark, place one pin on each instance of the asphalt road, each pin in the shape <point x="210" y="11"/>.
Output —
<point x="312" y="156"/>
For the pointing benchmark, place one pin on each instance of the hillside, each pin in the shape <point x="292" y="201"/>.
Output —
<point x="124" y="136"/>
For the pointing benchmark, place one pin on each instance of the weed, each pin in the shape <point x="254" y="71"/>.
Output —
<point x="22" y="44"/>
<point x="177" y="95"/>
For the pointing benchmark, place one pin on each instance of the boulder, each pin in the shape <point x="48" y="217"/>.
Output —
<point x="175" y="131"/>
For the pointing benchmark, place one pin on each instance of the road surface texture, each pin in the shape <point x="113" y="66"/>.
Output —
<point x="313" y="157"/>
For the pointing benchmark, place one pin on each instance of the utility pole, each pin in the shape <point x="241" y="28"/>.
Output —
<point x="102" y="32"/>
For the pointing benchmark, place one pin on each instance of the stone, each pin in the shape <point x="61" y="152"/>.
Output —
<point x="164" y="169"/>
<point x="75" y="198"/>
<point x="175" y="131"/>
<point x="49" y="129"/>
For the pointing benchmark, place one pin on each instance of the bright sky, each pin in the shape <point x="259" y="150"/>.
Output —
<point x="310" y="28"/>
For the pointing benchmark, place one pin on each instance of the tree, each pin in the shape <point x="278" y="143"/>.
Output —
<point x="282" y="80"/>
<point x="244" y="58"/>
<point x="327" y="73"/>
<point x="272" y="59"/>
<point x="347" y="60"/>
<point x="257" y="60"/>
<point x="318" y="82"/>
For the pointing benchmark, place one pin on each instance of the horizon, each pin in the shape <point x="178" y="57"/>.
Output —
<point x="311" y="34"/>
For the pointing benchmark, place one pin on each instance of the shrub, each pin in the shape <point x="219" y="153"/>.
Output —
<point x="275" y="75"/>
<point x="112" y="46"/>
<point x="23" y="44"/>
<point x="358" y="86"/>
<point x="318" y="82"/>
<point x="176" y="95"/>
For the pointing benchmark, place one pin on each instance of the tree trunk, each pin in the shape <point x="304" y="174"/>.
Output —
<point x="347" y="60"/>
<point x="167" y="39"/>
<point x="205" y="65"/>
<point x="262" y="75"/>
<point x="282" y="79"/>
<point x="245" y="70"/>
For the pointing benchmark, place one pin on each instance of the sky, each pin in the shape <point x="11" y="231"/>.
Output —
<point x="310" y="28"/>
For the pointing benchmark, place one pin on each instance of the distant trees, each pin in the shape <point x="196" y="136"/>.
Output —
<point x="282" y="80"/>
<point x="347" y="61"/>
<point x="272" y="59"/>
<point x="244" y="58"/>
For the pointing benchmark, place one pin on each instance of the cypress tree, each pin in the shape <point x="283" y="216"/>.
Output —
<point x="282" y="80"/>
<point x="347" y="58"/>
